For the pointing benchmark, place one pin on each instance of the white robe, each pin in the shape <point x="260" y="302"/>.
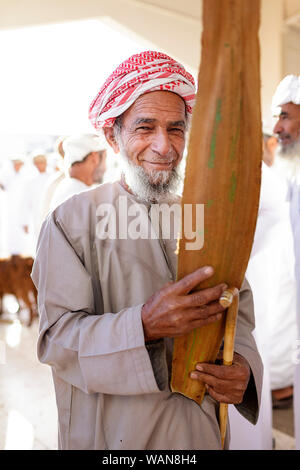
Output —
<point x="65" y="189"/>
<point x="49" y="191"/>
<point x="14" y="239"/>
<point x="270" y="274"/>
<point x="2" y="220"/>
<point x="284" y="298"/>
<point x="32" y="197"/>
<point x="294" y="194"/>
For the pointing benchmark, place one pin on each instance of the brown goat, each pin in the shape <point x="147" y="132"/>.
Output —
<point x="15" y="280"/>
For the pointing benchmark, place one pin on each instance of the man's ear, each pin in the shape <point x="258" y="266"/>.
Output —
<point x="110" y="137"/>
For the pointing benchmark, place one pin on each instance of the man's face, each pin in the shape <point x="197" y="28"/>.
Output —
<point x="151" y="142"/>
<point x="288" y="127"/>
<point x="17" y="166"/>
<point x="40" y="164"/>
<point x="100" y="166"/>
<point x="153" y="131"/>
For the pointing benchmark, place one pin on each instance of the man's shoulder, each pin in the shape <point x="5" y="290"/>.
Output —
<point x="55" y="178"/>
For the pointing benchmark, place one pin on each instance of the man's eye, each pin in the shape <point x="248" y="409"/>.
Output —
<point x="143" y="128"/>
<point x="177" y="130"/>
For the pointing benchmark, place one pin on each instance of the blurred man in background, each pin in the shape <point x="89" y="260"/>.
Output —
<point x="12" y="180"/>
<point x="286" y="103"/>
<point x="270" y="273"/>
<point x="32" y="193"/>
<point x="53" y="180"/>
<point x="85" y="163"/>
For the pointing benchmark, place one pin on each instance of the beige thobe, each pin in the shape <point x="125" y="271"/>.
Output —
<point x="112" y="390"/>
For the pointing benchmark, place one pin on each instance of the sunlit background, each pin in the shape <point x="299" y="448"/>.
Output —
<point x="49" y="76"/>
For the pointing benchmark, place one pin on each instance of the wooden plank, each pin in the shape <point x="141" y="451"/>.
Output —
<point x="223" y="167"/>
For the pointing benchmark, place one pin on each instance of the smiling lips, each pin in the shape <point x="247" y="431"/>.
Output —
<point x="161" y="165"/>
<point x="284" y="139"/>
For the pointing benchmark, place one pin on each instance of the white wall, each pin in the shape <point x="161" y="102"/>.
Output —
<point x="292" y="7"/>
<point x="291" y="41"/>
<point x="271" y="40"/>
<point x="169" y="25"/>
<point x="291" y="44"/>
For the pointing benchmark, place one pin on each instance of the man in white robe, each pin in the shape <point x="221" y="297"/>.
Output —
<point x="270" y="273"/>
<point x="108" y="300"/>
<point x="53" y="181"/>
<point x="85" y="165"/>
<point x="12" y="181"/>
<point x="32" y="194"/>
<point x="286" y="104"/>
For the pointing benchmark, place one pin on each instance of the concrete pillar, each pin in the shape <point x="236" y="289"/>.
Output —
<point x="271" y="35"/>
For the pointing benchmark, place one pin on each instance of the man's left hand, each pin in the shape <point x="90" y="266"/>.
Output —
<point x="226" y="384"/>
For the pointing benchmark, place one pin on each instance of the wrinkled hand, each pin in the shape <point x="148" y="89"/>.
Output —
<point x="174" y="311"/>
<point x="226" y="384"/>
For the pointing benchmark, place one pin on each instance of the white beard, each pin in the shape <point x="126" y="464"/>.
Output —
<point x="156" y="186"/>
<point x="288" y="159"/>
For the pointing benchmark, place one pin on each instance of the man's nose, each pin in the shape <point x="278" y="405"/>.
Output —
<point x="161" y="142"/>
<point x="278" y="127"/>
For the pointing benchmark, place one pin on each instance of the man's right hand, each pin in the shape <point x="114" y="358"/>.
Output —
<point x="174" y="311"/>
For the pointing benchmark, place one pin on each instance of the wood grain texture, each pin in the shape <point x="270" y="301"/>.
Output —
<point x="223" y="167"/>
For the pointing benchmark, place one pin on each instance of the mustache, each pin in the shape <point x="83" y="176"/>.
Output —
<point x="284" y="136"/>
<point x="161" y="160"/>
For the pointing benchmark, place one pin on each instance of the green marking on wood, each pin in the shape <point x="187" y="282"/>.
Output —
<point x="213" y="144"/>
<point x="233" y="182"/>
<point x="234" y="141"/>
<point x="210" y="203"/>
<point x="188" y="367"/>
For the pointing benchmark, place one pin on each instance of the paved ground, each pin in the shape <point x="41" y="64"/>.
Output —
<point x="283" y="424"/>
<point x="28" y="413"/>
<point x="27" y="401"/>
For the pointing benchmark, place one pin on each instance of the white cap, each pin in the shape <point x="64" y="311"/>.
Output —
<point x="77" y="147"/>
<point x="288" y="91"/>
<point x="16" y="158"/>
<point x="38" y="153"/>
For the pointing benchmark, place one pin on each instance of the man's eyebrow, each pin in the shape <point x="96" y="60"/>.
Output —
<point x="284" y="113"/>
<point x="180" y="123"/>
<point x="143" y="121"/>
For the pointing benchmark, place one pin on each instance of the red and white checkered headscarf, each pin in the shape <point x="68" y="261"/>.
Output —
<point x="141" y="73"/>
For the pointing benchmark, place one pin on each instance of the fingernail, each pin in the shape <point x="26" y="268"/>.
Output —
<point x="193" y="375"/>
<point x="199" y="368"/>
<point x="208" y="270"/>
<point x="224" y="286"/>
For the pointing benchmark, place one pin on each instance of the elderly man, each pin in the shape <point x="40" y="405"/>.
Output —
<point x="85" y="163"/>
<point x="287" y="101"/>
<point x="108" y="300"/>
